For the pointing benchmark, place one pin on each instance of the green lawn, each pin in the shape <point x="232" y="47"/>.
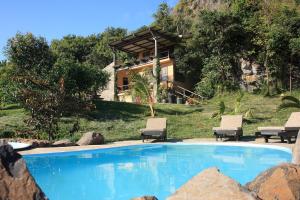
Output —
<point x="122" y="121"/>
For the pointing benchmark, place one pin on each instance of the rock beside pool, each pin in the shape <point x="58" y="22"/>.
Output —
<point x="64" y="143"/>
<point x="15" y="179"/>
<point x="280" y="182"/>
<point x="145" y="198"/>
<point x="210" y="184"/>
<point x="91" y="138"/>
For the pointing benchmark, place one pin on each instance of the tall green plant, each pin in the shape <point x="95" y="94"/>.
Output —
<point x="140" y="86"/>
<point x="289" y="102"/>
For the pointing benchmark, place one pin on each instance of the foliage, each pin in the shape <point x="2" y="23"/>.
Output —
<point x="221" y="110"/>
<point x="289" y="102"/>
<point x="51" y="82"/>
<point x="217" y="35"/>
<point x="163" y="18"/>
<point x="140" y="86"/>
<point x="31" y="61"/>
<point x="92" y="50"/>
<point x="237" y="106"/>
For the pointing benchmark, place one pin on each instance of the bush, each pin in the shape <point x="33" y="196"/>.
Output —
<point x="205" y="88"/>
<point x="7" y="134"/>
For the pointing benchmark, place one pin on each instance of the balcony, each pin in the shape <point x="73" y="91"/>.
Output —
<point x="145" y="61"/>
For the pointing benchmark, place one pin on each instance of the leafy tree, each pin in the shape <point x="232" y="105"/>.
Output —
<point x="31" y="61"/>
<point x="52" y="84"/>
<point x="74" y="48"/>
<point x="80" y="80"/>
<point x="220" y="37"/>
<point x="163" y="18"/>
<point x="102" y="54"/>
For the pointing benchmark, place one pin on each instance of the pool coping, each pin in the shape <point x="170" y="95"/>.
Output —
<point x="78" y="149"/>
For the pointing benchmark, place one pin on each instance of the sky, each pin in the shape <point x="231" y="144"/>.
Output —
<point x="54" y="19"/>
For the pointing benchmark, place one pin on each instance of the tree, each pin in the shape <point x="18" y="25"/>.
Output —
<point x="49" y="84"/>
<point x="163" y="18"/>
<point x="140" y="86"/>
<point x="219" y="39"/>
<point x="31" y="61"/>
<point x="102" y="53"/>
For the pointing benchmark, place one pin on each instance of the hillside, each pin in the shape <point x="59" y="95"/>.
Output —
<point x="122" y="121"/>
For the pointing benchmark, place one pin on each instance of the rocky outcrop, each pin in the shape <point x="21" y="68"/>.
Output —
<point x="64" y="143"/>
<point x="15" y="179"/>
<point x="281" y="183"/>
<point x="252" y="75"/>
<point x="145" y="198"/>
<point x="210" y="184"/>
<point x="91" y="138"/>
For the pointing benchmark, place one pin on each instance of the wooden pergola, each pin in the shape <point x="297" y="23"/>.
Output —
<point x="145" y="40"/>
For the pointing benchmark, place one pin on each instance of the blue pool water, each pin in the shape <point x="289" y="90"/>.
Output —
<point x="154" y="169"/>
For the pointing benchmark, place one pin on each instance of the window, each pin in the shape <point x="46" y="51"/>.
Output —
<point x="164" y="74"/>
<point x="125" y="83"/>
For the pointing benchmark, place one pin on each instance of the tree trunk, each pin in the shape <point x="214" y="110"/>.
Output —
<point x="291" y="79"/>
<point x="267" y="73"/>
<point x="151" y="109"/>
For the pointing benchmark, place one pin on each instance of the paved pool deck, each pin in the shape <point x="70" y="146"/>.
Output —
<point x="275" y="142"/>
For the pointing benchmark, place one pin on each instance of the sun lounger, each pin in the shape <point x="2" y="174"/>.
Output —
<point x="289" y="130"/>
<point x="155" y="128"/>
<point x="231" y="126"/>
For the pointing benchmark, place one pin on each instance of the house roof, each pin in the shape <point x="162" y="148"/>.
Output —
<point x="143" y="41"/>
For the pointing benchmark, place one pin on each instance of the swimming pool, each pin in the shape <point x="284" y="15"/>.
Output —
<point x="154" y="169"/>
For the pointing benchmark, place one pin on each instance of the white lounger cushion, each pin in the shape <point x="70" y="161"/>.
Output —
<point x="293" y="123"/>
<point x="230" y="123"/>
<point x="271" y="128"/>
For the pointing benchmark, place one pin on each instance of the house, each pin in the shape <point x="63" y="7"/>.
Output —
<point x="145" y="46"/>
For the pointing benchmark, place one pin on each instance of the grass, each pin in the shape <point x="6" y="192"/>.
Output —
<point x="122" y="121"/>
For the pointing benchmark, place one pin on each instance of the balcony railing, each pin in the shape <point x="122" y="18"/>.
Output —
<point x="148" y="60"/>
<point x="122" y="88"/>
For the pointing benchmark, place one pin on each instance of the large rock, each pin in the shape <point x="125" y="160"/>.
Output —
<point x="279" y="183"/>
<point x="145" y="198"/>
<point x="64" y="143"/>
<point x="15" y="179"/>
<point x="212" y="185"/>
<point x="91" y="138"/>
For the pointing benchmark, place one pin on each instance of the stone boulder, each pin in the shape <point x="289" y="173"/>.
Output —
<point x="64" y="143"/>
<point x="210" y="184"/>
<point x="91" y="138"/>
<point x="281" y="183"/>
<point x="15" y="179"/>
<point x="145" y="198"/>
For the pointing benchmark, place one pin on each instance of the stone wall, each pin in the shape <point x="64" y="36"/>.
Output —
<point x="252" y="75"/>
<point x="108" y="94"/>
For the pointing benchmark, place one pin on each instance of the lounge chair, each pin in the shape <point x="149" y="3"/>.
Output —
<point x="289" y="130"/>
<point x="155" y="128"/>
<point x="231" y="126"/>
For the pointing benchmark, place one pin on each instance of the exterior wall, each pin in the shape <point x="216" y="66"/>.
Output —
<point x="167" y="66"/>
<point x="108" y="94"/>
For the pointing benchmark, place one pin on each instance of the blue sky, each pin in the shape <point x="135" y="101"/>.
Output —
<point x="56" y="18"/>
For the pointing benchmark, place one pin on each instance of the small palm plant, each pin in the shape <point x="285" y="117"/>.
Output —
<point x="221" y="110"/>
<point x="289" y="102"/>
<point x="140" y="86"/>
